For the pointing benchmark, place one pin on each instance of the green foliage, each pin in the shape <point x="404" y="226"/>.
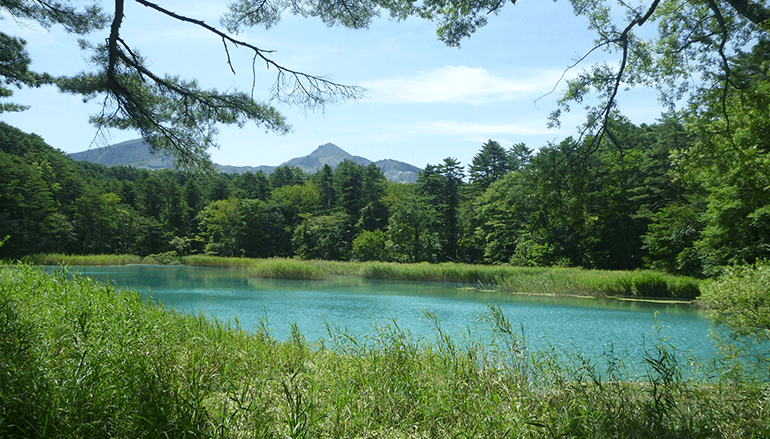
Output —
<point x="286" y="176"/>
<point x="532" y="251"/>
<point x="665" y="196"/>
<point x="324" y="181"/>
<point x="737" y="223"/>
<point x="14" y="70"/>
<point x="739" y="300"/>
<point x="297" y="199"/>
<point x="502" y="216"/>
<point x="324" y="237"/>
<point x="24" y="389"/>
<point x="167" y="258"/>
<point x="649" y="284"/>
<point x="104" y="225"/>
<point x="276" y="268"/>
<point x="265" y="230"/>
<point x="685" y="198"/>
<point x="83" y="359"/>
<point x="26" y="204"/>
<point x="112" y="374"/>
<point x="441" y="187"/>
<point x="58" y="259"/>
<point x="412" y="225"/>
<point x="220" y="222"/>
<point x="727" y="169"/>
<point x="578" y="203"/>
<point x="373" y="214"/>
<point x="489" y="165"/>
<point x="371" y="246"/>
<point x="671" y="238"/>
<point x="684" y="288"/>
<point x="251" y="186"/>
<point x="349" y="187"/>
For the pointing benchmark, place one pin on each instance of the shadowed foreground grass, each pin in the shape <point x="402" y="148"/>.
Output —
<point x="528" y="280"/>
<point x="79" y="359"/>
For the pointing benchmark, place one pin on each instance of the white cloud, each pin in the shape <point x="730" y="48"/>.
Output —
<point x="461" y="84"/>
<point x="469" y="129"/>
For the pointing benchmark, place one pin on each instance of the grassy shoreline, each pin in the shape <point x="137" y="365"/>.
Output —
<point x="81" y="359"/>
<point x="642" y="284"/>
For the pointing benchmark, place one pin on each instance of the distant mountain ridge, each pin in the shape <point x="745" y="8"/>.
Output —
<point x="138" y="154"/>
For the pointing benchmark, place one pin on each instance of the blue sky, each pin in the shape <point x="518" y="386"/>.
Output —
<point x="425" y="101"/>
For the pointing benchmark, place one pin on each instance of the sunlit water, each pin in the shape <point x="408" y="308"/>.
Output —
<point x="592" y="327"/>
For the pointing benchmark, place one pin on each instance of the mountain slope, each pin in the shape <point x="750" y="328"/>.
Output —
<point x="398" y="172"/>
<point x="138" y="154"/>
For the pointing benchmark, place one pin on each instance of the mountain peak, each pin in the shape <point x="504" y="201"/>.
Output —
<point x="329" y="150"/>
<point x="138" y="154"/>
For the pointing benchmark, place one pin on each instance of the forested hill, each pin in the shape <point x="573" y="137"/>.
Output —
<point x="137" y="153"/>
<point x="680" y="197"/>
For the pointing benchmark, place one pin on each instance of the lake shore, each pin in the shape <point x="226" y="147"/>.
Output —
<point x="84" y="359"/>
<point x="626" y="285"/>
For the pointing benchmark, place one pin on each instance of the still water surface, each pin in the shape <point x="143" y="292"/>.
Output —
<point x="592" y="326"/>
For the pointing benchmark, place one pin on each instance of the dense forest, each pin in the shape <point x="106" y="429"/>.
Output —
<point x="689" y="194"/>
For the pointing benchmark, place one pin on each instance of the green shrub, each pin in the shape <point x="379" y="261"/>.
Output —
<point x="370" y="246"/>
<point x="740" y="301"/>
<point x="167" y="258"/>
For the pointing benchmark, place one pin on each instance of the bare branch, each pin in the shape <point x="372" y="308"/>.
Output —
<point x="572" y="66"/>
<point x="316" y="91"/>
<point x="725" y="65"/>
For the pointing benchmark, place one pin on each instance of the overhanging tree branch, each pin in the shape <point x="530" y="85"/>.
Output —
<point x="754" y="12"/>
<point x="171" y="113"/>
<point x="725" y="64"/>
<point x="309" y="91"/>
<point x="603" y="117"/>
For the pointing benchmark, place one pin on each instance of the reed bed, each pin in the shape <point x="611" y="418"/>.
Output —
<point x="217" y="261"/>
<point x="542" y="280"/>
<point x="506" y="278"/>
<point x="90" y="260"/>
<point x="81" y="359"/>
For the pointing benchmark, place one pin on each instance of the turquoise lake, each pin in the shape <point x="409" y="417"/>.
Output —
<point x="592" y="327"/>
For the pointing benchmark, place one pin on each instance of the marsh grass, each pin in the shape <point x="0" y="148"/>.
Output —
<point x="81" y="359"/>
<point x="506" y="278"/>
<point x="92" y="260"/>
<point x="599" y="283"/>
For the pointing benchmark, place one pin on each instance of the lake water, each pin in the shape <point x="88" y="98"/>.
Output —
<point x="592" y="326"/>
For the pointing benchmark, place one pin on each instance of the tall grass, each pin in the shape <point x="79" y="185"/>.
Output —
<point x="80" y="359"/>
<point x="525" y="280"/>
<point x="92" y="260"/>
<point x="217" y="261"/>
<point x="542" y="280"/>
